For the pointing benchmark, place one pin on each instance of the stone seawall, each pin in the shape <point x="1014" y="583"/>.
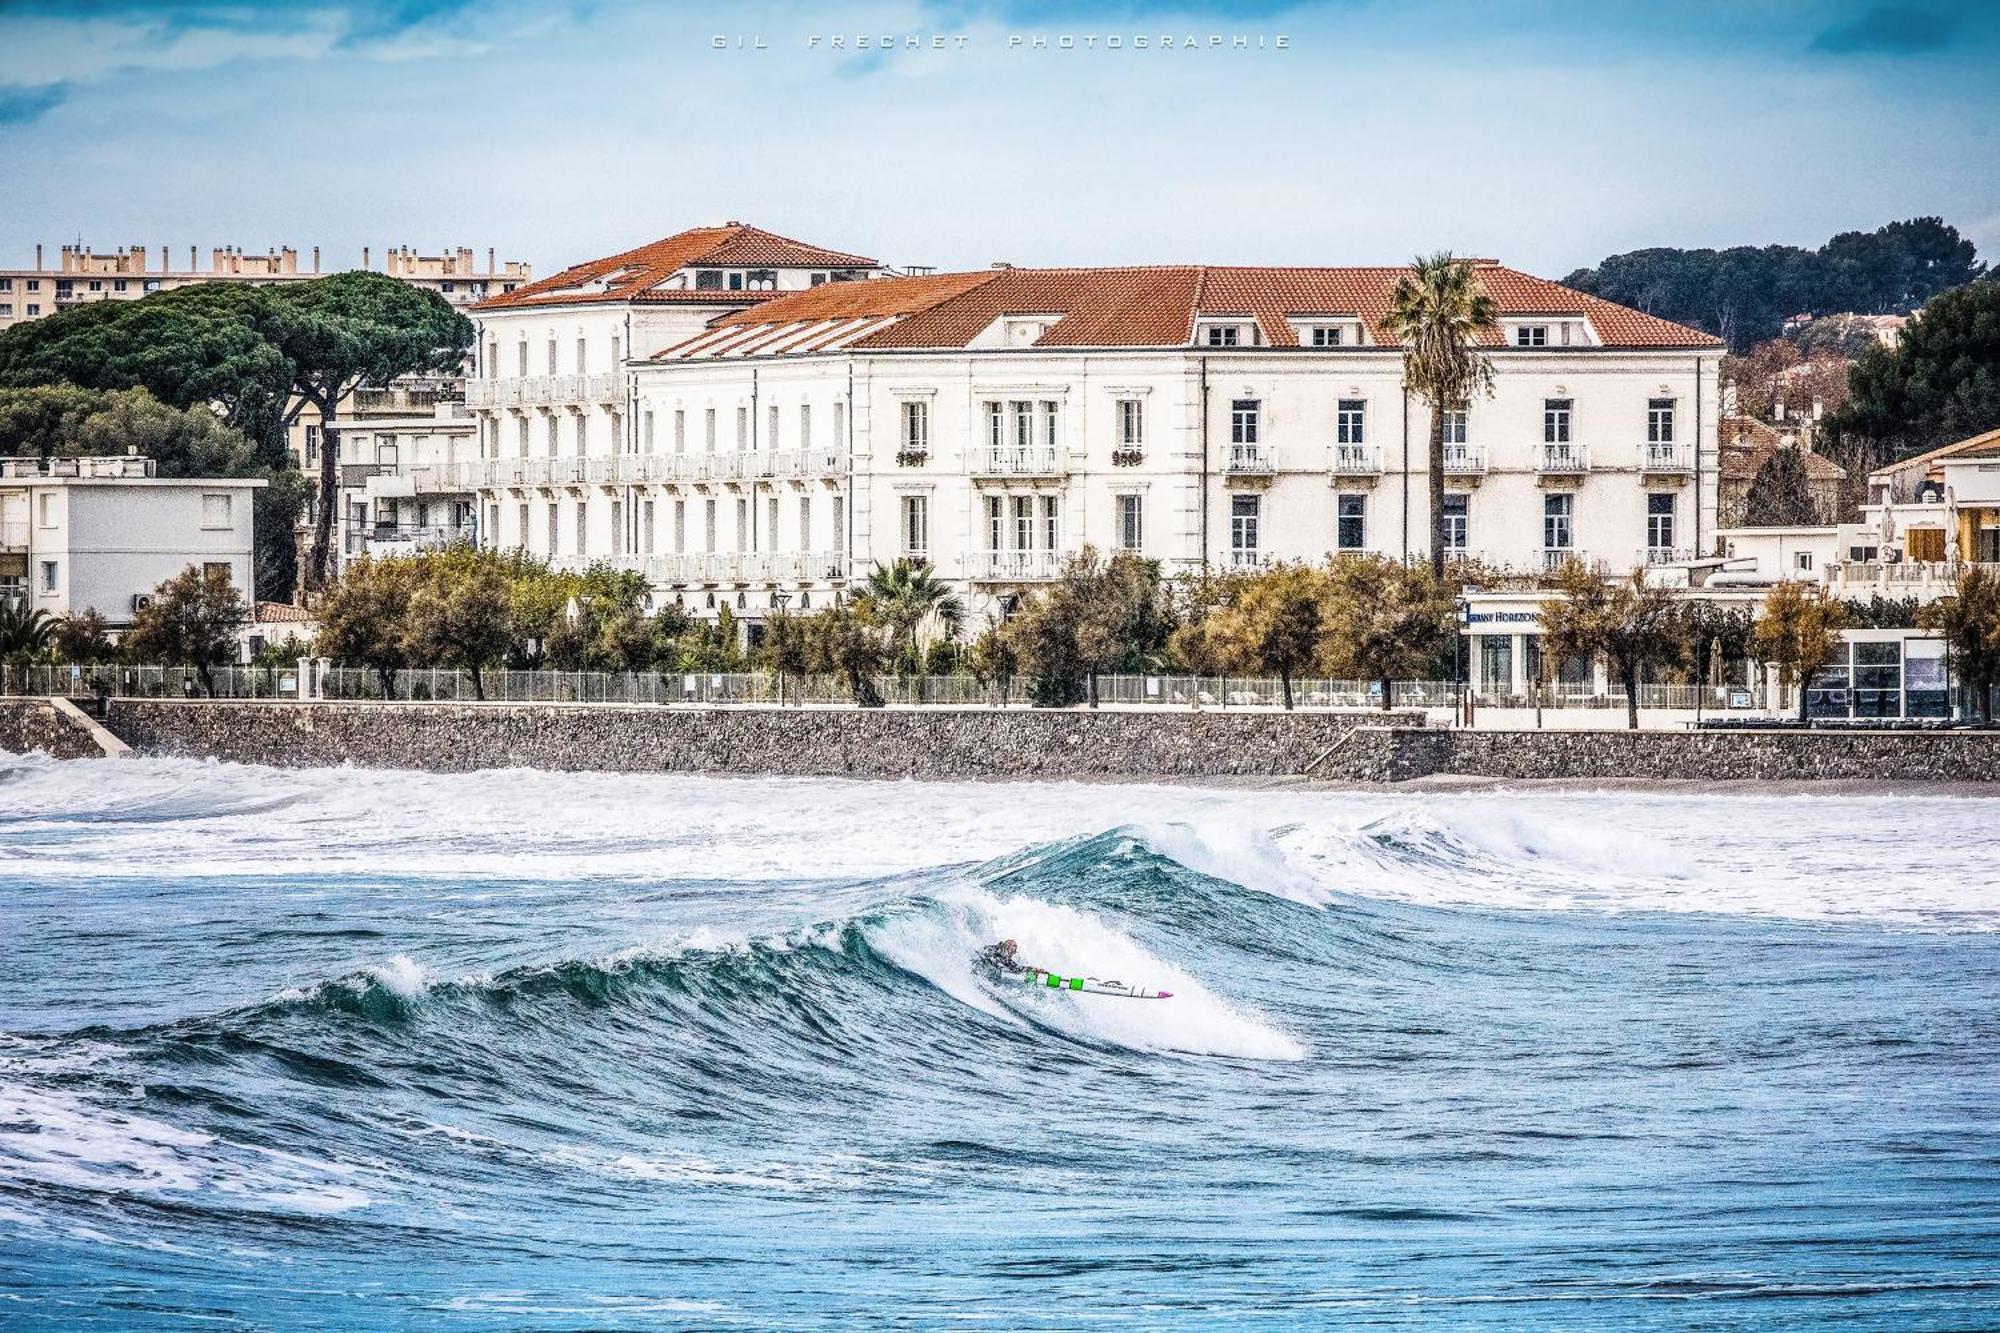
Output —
<point x="947" y="743"/>
<point x="42" y="724"/>
<point x="1717" y="756"/>
<point x="883" y="743"/>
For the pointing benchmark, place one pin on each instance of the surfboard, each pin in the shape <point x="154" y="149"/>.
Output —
<point x="1095" y="986"/>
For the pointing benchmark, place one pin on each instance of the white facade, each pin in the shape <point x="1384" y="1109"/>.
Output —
<point x="779" y="452"/>
<point x="102" y="533"/>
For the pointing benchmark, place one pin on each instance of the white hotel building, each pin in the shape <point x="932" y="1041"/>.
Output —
<point x="743" y="426"/>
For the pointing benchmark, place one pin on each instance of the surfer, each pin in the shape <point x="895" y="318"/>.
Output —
<point x="1002" y="958"/>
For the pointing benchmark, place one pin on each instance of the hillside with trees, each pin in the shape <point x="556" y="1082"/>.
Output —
<point x="1744" y="294"/>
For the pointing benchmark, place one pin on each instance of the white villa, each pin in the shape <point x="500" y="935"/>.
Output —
<point x="100" y="534"/>
<point x="753" y="421"/>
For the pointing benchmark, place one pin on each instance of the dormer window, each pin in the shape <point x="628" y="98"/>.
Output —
<point x="762" y="279"/>
<point x="1531" y="335"/>
<point x="1223" y="335"/>
<point x="708" y="280"/>
<point x="736" y="282"/>
<point x="1326" y="335"/>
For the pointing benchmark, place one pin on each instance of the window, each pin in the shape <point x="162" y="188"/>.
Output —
<point x="523" y="349"/>
<point x="1555" y="420"/>
<point x="618" y="527"/>
<point x="1326" y="335"/>
<point x="708" y="526"/>
<point x="708" y="429"/>
<point x="1131" y="522"/>
<point x="215" y="509"/>
<point x="1457" y="519"/>
<point x="1051" y="423"/>
<point x="771" y="524"/>
<point x="742" y="523"/>
<point x="805" y="426"/>
<point x="552" y="356"/>
<point x="6" y="309"/>
<point x="1244" y="512"/>
<point x="1224" y="335"/>
<point x="555" y="529"/>
<point x="521" y="434"/>
<point x="916" y="426"/>
<point x="840" y="522"/>
<point x="742" y="428"/>
<point x="1051" y="523"/>
<point x="1023" y="414"/>
<point x="521" y="526"/>
<point x="736" y="282"/>
<point x="50" y="579"/>
<point x="646" y="429"/>
<point x="45" y="515"/>
<point x="996" y="523"/>
<point x="1351" y="528"/>
<point x="680" y="527"/>
<point x="582" y="527"/>
<point x="708" y="280"/>
<point x="386" y="452"/>
<point x="1351" y="422"/>
<point x="581" y="359"/>
<point x="1531" y="335"/>
<point x="771" y="422"/>
<point x="839" y="425"/>
<point x="1659" y="421"/>
<point x="805" y="523"/>
<point x="1454" y="425"/>
<point x="680" y="430"/>
<point x="554" y="447"/>
<point x="1557" y="510"/>
<point x="1660" y="521"/>
<point x="916" y="525"/>
<point x="1243" y="421"/>
<point x="34" y="309"/>
<point x="1803" y="562"/>
<point x="617" y="349"/>
<point x="1024" y="522"/>
<point x="1131" y="423"/>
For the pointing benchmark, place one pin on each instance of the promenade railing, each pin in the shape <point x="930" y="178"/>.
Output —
<point x="710" y="688"/>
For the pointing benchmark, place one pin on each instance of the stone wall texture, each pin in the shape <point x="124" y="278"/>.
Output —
<point x="881" y="743"/>
<point x="37" y="724"/>
<point x="944" y="743"/>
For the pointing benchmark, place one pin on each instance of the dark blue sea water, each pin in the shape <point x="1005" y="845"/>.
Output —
<point x="346" y="1049"/>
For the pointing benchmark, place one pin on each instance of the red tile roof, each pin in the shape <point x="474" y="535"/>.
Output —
<point x="1150" y="307"/>
<point x="635" y="274"/>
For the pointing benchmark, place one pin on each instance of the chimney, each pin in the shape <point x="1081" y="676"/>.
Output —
<point x="489" y="259"/>
<point x="192" y="265"/>
<point x="38" y="254"/>
<point x="315" y="259"/>
<point x="364" y="256"/>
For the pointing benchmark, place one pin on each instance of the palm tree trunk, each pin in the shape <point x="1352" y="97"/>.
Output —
<point x="1436" y="479"/>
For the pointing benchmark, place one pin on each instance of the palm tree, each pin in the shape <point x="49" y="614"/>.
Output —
<point x="907" y="594"/>
<point x="1437" y="312"/>
<point x="23" y="632"/>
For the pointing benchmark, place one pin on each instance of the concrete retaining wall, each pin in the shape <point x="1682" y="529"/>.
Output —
<point x="885" y="743"/>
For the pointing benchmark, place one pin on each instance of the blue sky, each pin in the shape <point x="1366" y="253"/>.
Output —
<point x="1544" y="132"/>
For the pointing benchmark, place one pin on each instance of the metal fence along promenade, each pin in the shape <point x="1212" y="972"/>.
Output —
<point x="712" y="689"/>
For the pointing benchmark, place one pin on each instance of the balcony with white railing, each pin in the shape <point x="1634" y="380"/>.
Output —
<point x="607" y="389"/>
<point x="1015" y="566"/>
<point x="1555" y="557"/>
<point x="1562" y="460"/>
<point x="1249" y="460"/>
<point x="14" y="535"/>
<point x="443" y="478"/>
<point x="1356" y="460"/>
<point x="1649" y="557"/>
<point x="1665" y="459"/>
<point x="1035" y="462"/>
<point x="1240" y="557"/>
<point x="387" y="540"/>
<point x="1464" y="460"/>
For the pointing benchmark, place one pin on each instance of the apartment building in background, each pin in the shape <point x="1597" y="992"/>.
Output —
<point x="996" y="422"/>
<point x="82" y="275"/>
<point x="84" y="534"/>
